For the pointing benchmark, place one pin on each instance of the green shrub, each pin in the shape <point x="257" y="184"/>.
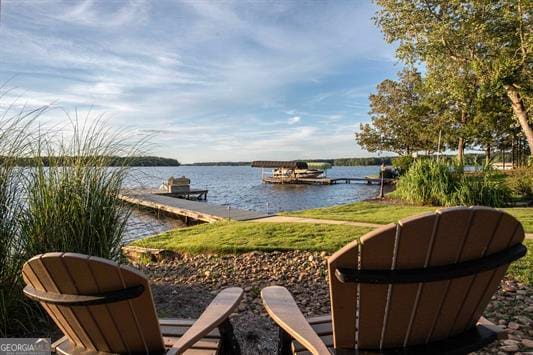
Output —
<point x="430" y="182"/>
<point x="402" y="164"/>
<point x="486" y="190"/>
<point x="520" y="181"/>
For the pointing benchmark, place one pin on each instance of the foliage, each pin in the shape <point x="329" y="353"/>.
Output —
<point x="73" y="204"/>
<point x="522" y="269"/>
<point x="16" y="314"/>
<point x="441" y="183"/>
<point x="402" y="164"/>
<point x="363" y="161"/>
<point x="111" y="160"/>
<point x="428" y="182"/>
<point x="520" y="181"/>
<point x="240" y="237"/>
<point x="468" y="47"/>
<point x="399" y="117"/>
<point x="69" y="205"/>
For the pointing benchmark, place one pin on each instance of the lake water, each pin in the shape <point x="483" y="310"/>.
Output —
<point x="241" y="187"/>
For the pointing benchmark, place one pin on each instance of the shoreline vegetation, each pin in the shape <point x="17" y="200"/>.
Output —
<point x="469" y="159"/>
<point x="112" y="161"/>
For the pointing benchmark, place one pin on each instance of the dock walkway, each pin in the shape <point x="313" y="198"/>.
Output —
<point x="187" y="209"/>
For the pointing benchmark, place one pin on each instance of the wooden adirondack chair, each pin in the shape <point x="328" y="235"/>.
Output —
<point x="102" y="308"/>
<point x="419" y="286"/>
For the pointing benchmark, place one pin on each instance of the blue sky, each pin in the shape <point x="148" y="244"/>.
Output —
<point x="208" y="80"/>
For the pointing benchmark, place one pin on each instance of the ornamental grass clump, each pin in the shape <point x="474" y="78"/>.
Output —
<point x="17" y="316"/>
<point x="72" y="200"/>
<point x="441" y="183"/>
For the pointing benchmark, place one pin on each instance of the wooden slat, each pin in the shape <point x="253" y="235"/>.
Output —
<point x="62" y="279"/>
<point x="85" y="282"/>
<point x="143" y="308"/>
<point x="343" y="296"/>
<point x="480" y="232"/>
<point x="323" y="327"/>
<point x="448" y="240"/>
<point x="320" y="319"/>
<point x="376" y="253"/>
<point x="508" y="233"/>
<point x="297" y="347"/>
<point x="62" y="314"/>
<point x="414" y="246"/>
<point x="177" y="331"/>
<point x="109" y="278"/>
<point x="31" y="279"/>
<point x="210" y="344"/>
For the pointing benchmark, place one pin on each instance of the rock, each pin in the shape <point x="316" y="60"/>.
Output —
<point x="184" y="286"/>
<point x="510" y="348"/>
<point x="528" y="343"/>
<point x="513" y="325"/>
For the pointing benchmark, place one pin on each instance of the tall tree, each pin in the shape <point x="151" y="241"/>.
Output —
<point x="492" y="39"/>
<point x="401" y="122"/>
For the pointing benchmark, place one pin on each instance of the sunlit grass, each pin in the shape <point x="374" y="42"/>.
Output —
<point x="240" y="237"/>
<point x="383" y="213"/>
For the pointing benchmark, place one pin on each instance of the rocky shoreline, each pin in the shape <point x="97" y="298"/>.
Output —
<point x="184" y="285"/>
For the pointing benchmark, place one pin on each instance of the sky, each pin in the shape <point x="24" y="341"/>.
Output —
<point x="205" y="80"/>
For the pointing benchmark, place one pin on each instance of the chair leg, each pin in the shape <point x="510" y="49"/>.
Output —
<point x="229" y="345"/>
<point x="284" y="343"/>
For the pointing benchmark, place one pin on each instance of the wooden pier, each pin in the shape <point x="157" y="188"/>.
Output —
<point x="326" y="181"/>
<point x="187" y="209"/>
<point x="190" y="194"/>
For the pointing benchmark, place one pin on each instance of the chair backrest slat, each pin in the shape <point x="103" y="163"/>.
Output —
<point x="508" y="227"/>
<point x="86" y="283"/>
<point x="128" y="326"/>
<point x="452" y="225"/>
<point x="414" y="246"/>
<point x="396" y="315"/>
<point x="31" y="279"/>
<point x="373" y="299"/>
<point x="462" y="292"/>
<point x="343" y="307"/>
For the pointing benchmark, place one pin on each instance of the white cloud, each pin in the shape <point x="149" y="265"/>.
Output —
<point x="294" y="120"/>
<point x="204" y="77"/>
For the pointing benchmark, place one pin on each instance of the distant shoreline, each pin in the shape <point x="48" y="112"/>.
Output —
<point x="368" y="161"/>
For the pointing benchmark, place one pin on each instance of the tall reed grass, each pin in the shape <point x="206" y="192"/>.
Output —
<point x="66" y="200"/>
<point x="444" y="183"/>
<point x="72" y="201"/>
<point x="17" y="316"/>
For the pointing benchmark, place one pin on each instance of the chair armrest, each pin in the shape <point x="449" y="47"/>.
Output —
<point x="282" y="308"/>
<point x="501" y="334"/>
<point x="218" y="310"/>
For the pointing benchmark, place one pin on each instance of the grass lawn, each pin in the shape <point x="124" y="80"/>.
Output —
<point x="522" y="270"/>
<point x="383" y="213"/>
<point x="240" y="237"/>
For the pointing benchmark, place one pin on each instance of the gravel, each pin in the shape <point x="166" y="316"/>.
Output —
<point x="184" y="285"/>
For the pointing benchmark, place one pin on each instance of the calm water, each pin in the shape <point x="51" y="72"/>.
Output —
<point x="241" y="187"/>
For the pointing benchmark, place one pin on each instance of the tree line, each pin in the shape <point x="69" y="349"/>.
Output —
<point x="474" y="89"/>
<point x="109" y="160"/>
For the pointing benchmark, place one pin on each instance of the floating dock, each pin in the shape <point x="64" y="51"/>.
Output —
<point x="186" y="209"/>
<point x="325" y="181"/>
